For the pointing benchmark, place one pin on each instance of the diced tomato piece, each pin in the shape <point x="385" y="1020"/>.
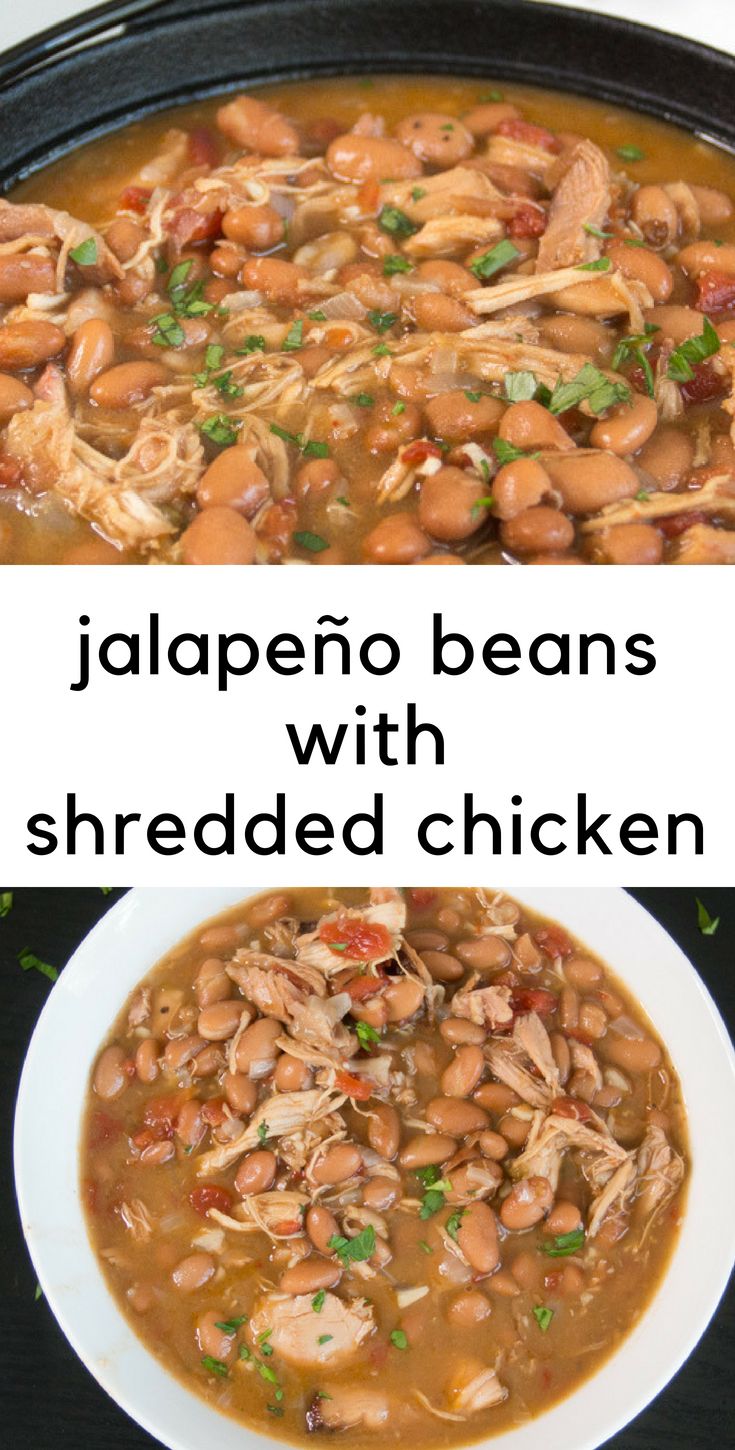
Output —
<point x="188" y="226"/>
<point x="146" y="1137"/>
<point x="160" y="1113"/>
<point x="553" y="1279"/>
<point x="11" y="473"/>
<point x="210" y="1195"/>
<point x="715" y="292"/>
<point x="534" y="999"/>
<point x="378" y="1353"/>
<point x="321" y="131"/>
<point x="529" y="134"/>
<point x="672" y="527"/>
<point x="704" y="386"/>
<point x="287" y="1226"/>
<point x="421" y="897"/>
<point x="134" y="198"/>
<point x="213" y="1112"/>
<point x="360" y="988"/>
<point x="419" y="451"/>
<point x="529" y="221"/>
<point x="368" y="196"/>
<point x="103" y="1129"/>
<point x="572" y="1108"/>
<point x="203" y="147"/>
<point x="554" y="941"/>
<point x="355" y="938"/>
<point x="355" y="1087"/>
<point x="278" y="523"/>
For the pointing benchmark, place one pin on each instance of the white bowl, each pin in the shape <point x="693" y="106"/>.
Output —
<point x="90" y="992"/>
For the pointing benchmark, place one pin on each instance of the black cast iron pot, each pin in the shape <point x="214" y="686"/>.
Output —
<point x="147" y="55"/>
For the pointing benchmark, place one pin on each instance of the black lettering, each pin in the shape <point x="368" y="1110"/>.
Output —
<point x="225" y="819"/>
<point x="501" y="647"/>
<point x="35" y="828"/>
<point x="423" y="834"/>
<point x="587" y="833"/>
<point x="439" y="640"/>
<point x="157" y="832"/>
<point x="633" y="647"/>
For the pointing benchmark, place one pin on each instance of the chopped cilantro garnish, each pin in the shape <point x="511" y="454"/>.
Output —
<point x="453" y="1223"/>
<point x="595" y="231"/>
<point x="345" y="502"/>
<point x="507" y="452"/>
<point x="262" y="1132"/>
<point x="564" y="1244"/>
<point x="363" y="400"/>
<point x="38" y="1294"/>
<point x="313" y="542"/>
<point x="643" y="495"/>
<point x="266" y="1373"/>
<point x="396" y="263"/>
<point x="381" y="321"/>
<point x="382" y="350"/>
<point x="603" y="264"/>
<point x="312" y="449"/>
<point x="471" y="396"/>
<point x="630" y="153"/>
<point x="225" y="386"/>
<point x="543" y="1316"/>
<point x="294" y="338"/>
<point x="482" y="503"/>
<point x="394" y="221"/>
<point x="435" y="1186"/>
<point x="85" y="255"/>
<point x="169" y="332"/>
<point x="706" y="924"/>
<point x="397" y="409"/>
<point x="317" y="1302"/>
<point x="324" y="1338"/>
<point x="520" y="387"/>
<point x="354" y="1250"/>
<point x="30" y="962"/>
<point x="214" y="1366"/>
<point x="398" y="1339"/>
<point x="590" y="386"/>
<point x="274" y="1409"/>
<point x="424" y="1247"/>
<point x="491" y="262"/>
<point x="490" y="96"/>
<point x="366" y="1035"/>
<point x="253" y="343"/>
<point x="231" y="1326"/>
<point x="632" y="347"/>
<point x="417" y="193"/>
<point x="694" y="350"/>
<point x="317" y="315"/>
<point x="6" y="902"/>
<point x="220" y="429"/>
<point x="244" y="1352"/>
<point x="633" y="242"/>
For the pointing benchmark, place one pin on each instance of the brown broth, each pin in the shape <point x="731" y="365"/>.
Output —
<point x="621" y="1268"/>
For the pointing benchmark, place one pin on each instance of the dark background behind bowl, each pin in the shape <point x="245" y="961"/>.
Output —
<point x="48" y="1401"/>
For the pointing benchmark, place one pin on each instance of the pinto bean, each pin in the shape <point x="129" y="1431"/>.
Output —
<point x="321" y="1225"/>
<point x="675" y="322"/>
<point x="530" y="426"/>
<point x="462" y="1075"/>
<point x="374" y="1011"/>
<point x="28" y="344"/>
<point x="397" y="539"/>
<point x="256" y="1052"/>
<point x="381" y="1193"/>
<point x="389" y="429"/>
<point x="629" y="544"/>
<point x="486" y="117"/>
<point x="433" y="312"/>
<point x="311" y="1275"/>
<point x="427" y="1148"/>
<point x="715" y="206"/>
<point x="592" y="1020"/>
<point x="212" y="983"/>
<point x="483" y="953"/>
<point x="277" y="279"/>
<point x="219" y="1020"/>
<point x="91" y="353"/>
<point x="258" y="127"/>
<point x="110" y="1075"/>
<point x="456" y="417"/>
<point x="492" y="1145"/>
<point x="342" y="1161"/>
<point x="219" y="938"/>
<point x="642" y="265"/>
<point x="449" y="504"/>
<point x="403" y="997"/>
<point x="256" y="227"/>
<point x="655" y="214"/>
<point x="632" y="1054"/>
<point x="146" y="1059"/>
<point x="436" y="139"/>
<point x="180" y="1052"/>
<point x="468" y="1309"/>
<point x="627" y="427"/>
<point x="456" y="1030"/>
<point x="503" y="1284"/>
<point x="589" y="481"/>
<point x="578" y="335"/>
<point x="563" y="1218"/>
<point x="370" y="158"/>
<point x="127" y="383"/>
<point x="449" y="277"/>
<point x="707" y="257"/>
<point x="454" y="1117"/>
<point x="15" y="397"/>
<point x="315" y="477"/>
<point x="240" y="1091"/>
<point x="233" y="480"/>
<point x="538" y="530"/>
<point x="495" y="1097"/>
<point x="668" y="456"/>
<point x="562" y="1055"/>
<point x="123" y="237"/>
<point x="291" y="1074"/>
<point x="518" y="486"/>
<point x="214" y="1341"/>
<point x="443" y="966"/>
<point x="22" y="273"/>
<point x="218" y="536"/>
<point x="257" y="1172"/>
<point x="384" y="1130"/>
<point x="190" y="1125"/>
<point x="477" y="1236"/>
<point x="515" y="1130"/>
<point x="193" y="1272"/>
<point x="526" y="1204"/>
<point x="427" y="941"/>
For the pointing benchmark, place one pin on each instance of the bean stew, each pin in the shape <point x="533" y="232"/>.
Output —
<point x="397" y="320"/>
<point x="397" y="1162"/>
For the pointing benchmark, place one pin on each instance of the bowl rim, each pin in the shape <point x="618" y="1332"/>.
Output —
<point x="77" y="1293"/>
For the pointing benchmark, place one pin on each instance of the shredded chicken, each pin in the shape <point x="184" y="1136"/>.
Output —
<point x="296" y="1331"/>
